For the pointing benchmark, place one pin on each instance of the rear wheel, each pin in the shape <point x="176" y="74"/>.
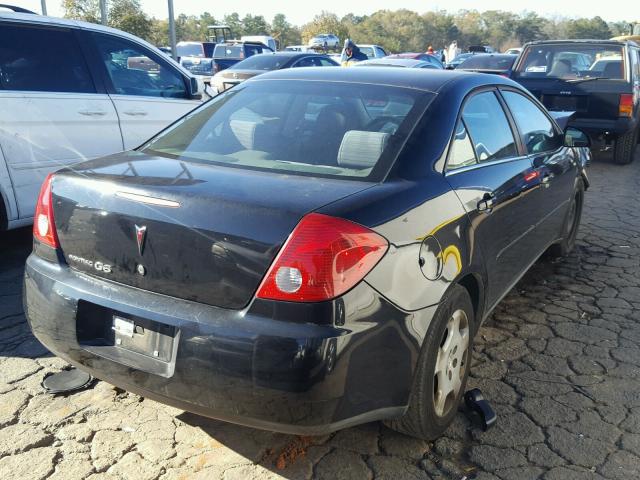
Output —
<point x="442" y="370"/>
<point x="625" y="147"/>
<point x="571" y="224"/>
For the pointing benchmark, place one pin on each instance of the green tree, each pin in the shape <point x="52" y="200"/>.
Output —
<point x="595" y="28"/>
<point x="284" y="33"/>
<point x="325" y="22"/>
<point x="499" y="27"/>
<point x="441" y="29"/>
<point x="254" y="25"/>
<point x="85" y="10"/>
<point x="234" y="22"/>
<point x="531" y="27"/>
<point x="127" y="15"/>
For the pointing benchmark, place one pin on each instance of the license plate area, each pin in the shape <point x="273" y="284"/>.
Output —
<point x="143" y="336"/>
<point x="135" y="341"/>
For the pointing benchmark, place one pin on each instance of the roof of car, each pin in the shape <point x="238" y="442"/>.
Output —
<point x="406" y="55"/>
<point x="420" y="79"/>
<point x="606" y="42"/>
<point x="393" y="62"/>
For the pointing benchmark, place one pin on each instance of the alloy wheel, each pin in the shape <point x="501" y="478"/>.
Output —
<point x="451" y="363"/>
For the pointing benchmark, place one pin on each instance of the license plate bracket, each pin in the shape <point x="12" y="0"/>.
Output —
<point x="143" y="336"/>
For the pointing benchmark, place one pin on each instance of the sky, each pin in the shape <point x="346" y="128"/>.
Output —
<point x="300" y="12"/>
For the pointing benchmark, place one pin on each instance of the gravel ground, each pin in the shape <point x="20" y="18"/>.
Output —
<point x="559" y="360"/>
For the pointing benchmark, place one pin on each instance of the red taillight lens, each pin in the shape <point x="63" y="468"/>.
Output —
<point x="44" y="228"/>
<point x="323" y="258"/>
<point x="626" y="105"/>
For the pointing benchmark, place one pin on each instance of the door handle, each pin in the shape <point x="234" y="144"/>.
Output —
<point x="487" y="203"/>
<point x="92" y="113"/>
<point x="135" y="113"/>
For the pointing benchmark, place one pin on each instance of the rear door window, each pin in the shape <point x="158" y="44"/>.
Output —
<point x="461" y="153"/>
<point x="539" y="134"/>
<point x="36" y="59"/>
<point x="134" y="70"/>
<point x="488" y="127"/>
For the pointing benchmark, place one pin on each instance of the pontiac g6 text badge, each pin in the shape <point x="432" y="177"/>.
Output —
<point x="141" y="235"/>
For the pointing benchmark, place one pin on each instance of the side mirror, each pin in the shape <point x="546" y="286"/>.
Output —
<point x="196" y="88"/>
<point x="574" y="137"/>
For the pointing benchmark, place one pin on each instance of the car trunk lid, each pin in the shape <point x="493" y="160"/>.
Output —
<point x="182" y="228"/>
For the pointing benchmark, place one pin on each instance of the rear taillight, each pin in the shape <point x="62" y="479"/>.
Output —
<point x="323" y="258"/>
<point x="625" y="108"/>
<point x="44" y="228"/>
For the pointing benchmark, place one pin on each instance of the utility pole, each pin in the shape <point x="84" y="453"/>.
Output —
<point x="44" y="7"/>
<point x="172" y="31"/>
<point x="103" y="12"/>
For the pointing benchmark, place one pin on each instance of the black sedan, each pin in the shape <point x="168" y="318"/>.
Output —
<point x="266" y="62"/>
<point x="496" y="63"/>
<point x="293" y="255"/>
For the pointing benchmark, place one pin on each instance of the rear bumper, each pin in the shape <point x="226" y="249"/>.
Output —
<point x="599" y="128"/>
<point x="294" y="368"/>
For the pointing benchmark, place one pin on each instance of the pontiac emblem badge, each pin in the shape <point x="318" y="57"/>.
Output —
<point x="141" y="235"/>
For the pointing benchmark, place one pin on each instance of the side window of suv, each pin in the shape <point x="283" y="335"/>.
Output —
<point x="537" y="131"/>
<point x="488" y="127"/>
<point x="36" y="59"/>
<point x="135" y="71"/>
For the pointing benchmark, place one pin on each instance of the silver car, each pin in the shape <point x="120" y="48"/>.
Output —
<point x="325" y="40"/>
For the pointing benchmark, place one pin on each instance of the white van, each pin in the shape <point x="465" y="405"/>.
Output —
<point x="72" y="91"/>
<point x="264" y="39"/>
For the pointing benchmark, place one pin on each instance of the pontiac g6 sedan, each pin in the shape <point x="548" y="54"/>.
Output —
<point x="313" y="249"/>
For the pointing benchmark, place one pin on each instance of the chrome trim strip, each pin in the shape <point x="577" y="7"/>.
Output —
<point x="160" y="202"/>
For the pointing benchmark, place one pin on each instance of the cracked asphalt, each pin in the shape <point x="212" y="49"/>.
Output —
<point x="559" y="360"/>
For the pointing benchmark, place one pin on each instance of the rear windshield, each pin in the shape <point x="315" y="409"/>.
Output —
<point x="572" y="61"/>
<point x="190" y="50"/>
<point x="265" y="62"/>
<point x="228" y="51"/>
<point x="488" y="62"/>
<point x="237" y="51"/>
<point x="304" y="127"/>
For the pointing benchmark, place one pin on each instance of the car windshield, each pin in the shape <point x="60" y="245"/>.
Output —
<point x="488" y="62"/>
<point x="572" y="61"/>
<point x="190" y="50"/>
<point x="261" y="62"/>
<point x="306" y="128"/>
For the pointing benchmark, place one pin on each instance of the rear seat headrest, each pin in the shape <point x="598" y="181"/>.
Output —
<point x="361" y="149"/>
<point x="245" y="132"/>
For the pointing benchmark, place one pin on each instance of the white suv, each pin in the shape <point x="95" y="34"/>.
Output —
<point x="72" y="91"/>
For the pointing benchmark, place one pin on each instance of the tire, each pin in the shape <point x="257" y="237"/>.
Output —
<point x="428" y="415"/>
<point x="625" y="147"/>
<point x="571" y="224"/>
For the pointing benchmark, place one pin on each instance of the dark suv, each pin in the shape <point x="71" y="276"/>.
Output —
<point x="597" y="79"/>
